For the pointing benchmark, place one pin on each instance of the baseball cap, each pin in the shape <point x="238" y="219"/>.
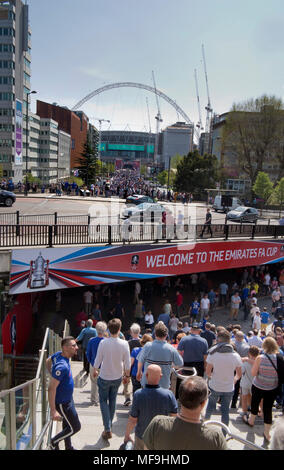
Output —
<point x="196" y="325"/>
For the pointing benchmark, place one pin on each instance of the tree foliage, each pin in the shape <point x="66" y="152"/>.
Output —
<point x="88" y="163"/>
<point x="263" y="186"/>
<point x="253" y="134"/>
<point x="196" y="173"/>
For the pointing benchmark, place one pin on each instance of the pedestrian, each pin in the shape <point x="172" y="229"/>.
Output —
<point x="173" y="325"/>
<point x="242" y="348"/>
<point x="207" y="225"/>
<point x="91" y="353"/>
<point x="179" y="303"/>
<point x="204" y="306"/>
<point x="186" y="431"/>
<point x="265" y="385"/>
<point x="247" y="378"/>
<point x="85" y="335"/>
<point x="255" y="340"/>
<point x="149" y="402"/>
<point x="161" y="353"/>
<point x="223" y="293"/>
<point x="194" y="349"/>
<point x="222" y="363"/>
<point x="149" y="320"/>
<point x="208" y="335"/>
<point x="193" y="311"/>
<point x="264" y="318"/>
<point x="60" y="393"/>
<point x="88" y="301"/>
<point x="112" y="363"/>
<point x="235" y="305"/>
<point x="139" y="312"/>
<point x="134" y="363"/>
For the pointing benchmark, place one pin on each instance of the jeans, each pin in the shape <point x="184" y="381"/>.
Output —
<point x="225" y="398"/>
<point x="108" y="392"/>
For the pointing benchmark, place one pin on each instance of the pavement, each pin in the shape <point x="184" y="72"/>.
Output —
<point x="89" y="437"/>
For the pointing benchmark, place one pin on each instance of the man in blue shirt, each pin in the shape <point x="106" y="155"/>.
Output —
<point x="147" y="403"/>
<point x="85" y="335"/>
<point x="264" y="318"/>
<point x="194" y="310"/>
<point x="92" y="349"/>
<point x="60" y="393"/>
<point x="194" y="349"/>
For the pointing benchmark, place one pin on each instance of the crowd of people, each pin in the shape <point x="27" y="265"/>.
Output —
<point x="122" y="183"/>
<point x="234" y="363"/>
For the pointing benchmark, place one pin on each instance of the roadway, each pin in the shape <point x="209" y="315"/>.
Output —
<point x="78" y="205"/>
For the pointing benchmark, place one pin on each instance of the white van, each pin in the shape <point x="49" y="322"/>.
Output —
<point x="226" y="203"/>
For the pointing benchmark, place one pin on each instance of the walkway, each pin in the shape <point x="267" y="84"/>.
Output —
<point x="89" y="438"/>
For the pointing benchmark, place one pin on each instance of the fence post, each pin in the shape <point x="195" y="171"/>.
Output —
<point x="226" y="231"/>
<point x="17" y="223"/>
<point x="109" y="234"/>
<point x="253" y="232"/>
<point x="55" y="223"/>
<point x="50" y="233"/>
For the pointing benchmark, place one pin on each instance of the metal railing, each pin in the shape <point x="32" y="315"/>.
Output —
<point x="230" y="435"/>
<point x="24" y="410"/>
<point x="54" y="235"/>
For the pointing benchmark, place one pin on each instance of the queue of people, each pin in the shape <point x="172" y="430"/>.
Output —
<point x="233" y="367"/>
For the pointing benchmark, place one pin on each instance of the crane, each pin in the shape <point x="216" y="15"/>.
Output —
<point x="150" y="130"/>
<point x="208" y="107"/>
<point x="199" y="124"/>
<point x="158" y="118"/>
<point x="100" y="120"/>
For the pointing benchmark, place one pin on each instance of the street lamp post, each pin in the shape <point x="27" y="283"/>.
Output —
<point x="27" y="128"/>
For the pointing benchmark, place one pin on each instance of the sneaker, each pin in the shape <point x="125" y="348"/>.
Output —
<point x="107" y="435"/>
<point x="53" y="446"/>
<point x="127" y="402"/>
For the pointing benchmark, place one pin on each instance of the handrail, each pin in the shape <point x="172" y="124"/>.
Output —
<point x="234" y="436"/>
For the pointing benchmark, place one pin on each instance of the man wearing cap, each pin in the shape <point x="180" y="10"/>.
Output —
<point x="194" y="349"/>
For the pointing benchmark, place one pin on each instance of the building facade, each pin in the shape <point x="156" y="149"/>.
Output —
<point x="73" y="123"/>
<point x="15" y="79"/>
<point x="127" y="146"/>
<point x="177" y="139"/>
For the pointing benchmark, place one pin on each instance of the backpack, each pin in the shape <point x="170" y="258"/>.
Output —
<point x="280" y="367"/>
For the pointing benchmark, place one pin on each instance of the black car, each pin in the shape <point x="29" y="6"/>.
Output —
<point x="7" y="198"/>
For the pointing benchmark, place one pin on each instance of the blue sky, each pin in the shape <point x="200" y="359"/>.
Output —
<point x="80" y="46"/>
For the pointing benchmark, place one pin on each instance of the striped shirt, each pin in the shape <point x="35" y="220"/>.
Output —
<point x="267" y="378"/>
<point x="164" y="355"/>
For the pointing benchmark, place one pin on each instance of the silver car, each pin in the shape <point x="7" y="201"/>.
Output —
<point x="243" y="214"/>
<point x="146" y="209"/>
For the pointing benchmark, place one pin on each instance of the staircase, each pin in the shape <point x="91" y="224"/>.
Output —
<point x="25" y="369"/>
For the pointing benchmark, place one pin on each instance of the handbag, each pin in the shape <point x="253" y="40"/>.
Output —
<point x="280" y="367"/>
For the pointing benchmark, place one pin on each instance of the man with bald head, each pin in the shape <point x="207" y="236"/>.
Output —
<point x="148" y="402"/>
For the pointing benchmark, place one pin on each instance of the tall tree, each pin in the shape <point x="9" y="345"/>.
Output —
<point x="253" y="134"/>
<point x="196" y="173"/>
<point x="88" y="163"/>
<point x="263" y="187"/>
<point x="278" y="194"/>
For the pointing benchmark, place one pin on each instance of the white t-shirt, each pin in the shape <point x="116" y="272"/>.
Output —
<point x="224" y="366"/>
<point x="88" y="297"/>
<point x="149" y="319"/>
<point x="256" y="322"/>
<point x="267" y="280"/>
<point x="113" y="357"/>
<point x="205" y="304"/>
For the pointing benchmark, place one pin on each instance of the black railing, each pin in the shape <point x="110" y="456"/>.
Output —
<point x="60" y="235"/>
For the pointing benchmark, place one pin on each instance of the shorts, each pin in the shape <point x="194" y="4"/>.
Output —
<point x="246" y="390"/>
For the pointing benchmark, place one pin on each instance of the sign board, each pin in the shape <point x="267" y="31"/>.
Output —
<point x="59" y="268"/>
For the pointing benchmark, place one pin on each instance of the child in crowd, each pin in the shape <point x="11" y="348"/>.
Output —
<point x="247" y="378"/>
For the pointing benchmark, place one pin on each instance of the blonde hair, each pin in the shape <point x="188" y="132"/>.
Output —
<point x="270" y="346"/>
<point x="145" y="339"/>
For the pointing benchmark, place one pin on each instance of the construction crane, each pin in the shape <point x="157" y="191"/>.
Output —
<point x="199" y="124"/>
<point x="208" y="107"/>
<point x="150" y="130"/>
<point x="158" y="118"/>
<point x="100" y="120"/>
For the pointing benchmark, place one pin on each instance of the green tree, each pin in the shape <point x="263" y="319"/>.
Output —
<point x="1" y="171"/>
<point x="263" y="187"/>
<point x="88" y="163"/>
<point x="253" y="134"/>
<point x="278" y="194"/>
<point x="195" y="173"/>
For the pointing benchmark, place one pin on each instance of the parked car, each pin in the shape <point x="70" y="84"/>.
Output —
<point x="243" y="214"/>
<point x="136" y="199"/>
<point x="146" y="209"/>
<point x="7" y="198"/>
